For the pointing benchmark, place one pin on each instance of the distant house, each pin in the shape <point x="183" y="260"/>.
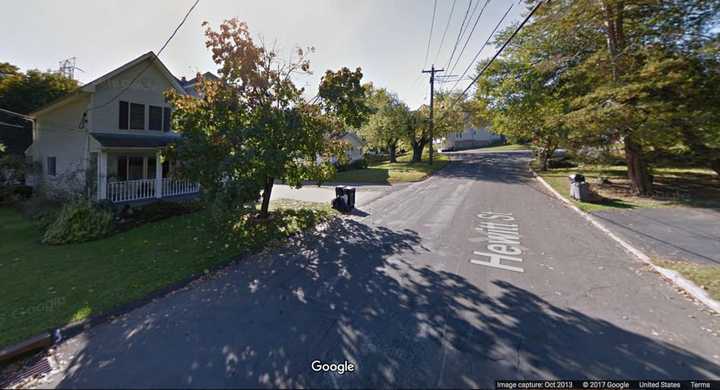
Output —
<point x="15" y="133"/>
<point x="355" y="152"/>
<point x="190" y="86"/>
<point x="470" y="137"/>
<point x="106" y="137"/>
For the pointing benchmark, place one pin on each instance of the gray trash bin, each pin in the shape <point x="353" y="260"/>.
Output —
<point x="579" y="189"/>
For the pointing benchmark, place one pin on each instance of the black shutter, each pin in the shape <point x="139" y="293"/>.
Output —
<point x="123" y="118"/>
<point x="137" y="116"/>
<point x="156" y="118"/>
<point x="166" y="118"/>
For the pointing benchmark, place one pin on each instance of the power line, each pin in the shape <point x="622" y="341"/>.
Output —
<point x="137" y="76"/>
<point x="507" y="42"/>
<point x="461" y="31"/>
<point x="432" y="26"/>
<point x="485" y="44"/>
<point x="470" y="35"/>
<point x="442" y="40"/>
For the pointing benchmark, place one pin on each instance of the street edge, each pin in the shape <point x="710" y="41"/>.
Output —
<point x="678" y="280"/>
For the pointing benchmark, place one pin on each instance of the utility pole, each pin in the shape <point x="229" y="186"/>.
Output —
<point x="432" y="72"/>
<point x="67" y="68"/>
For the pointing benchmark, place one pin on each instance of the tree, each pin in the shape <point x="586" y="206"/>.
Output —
<point x="253" y="126"/>
<point x="415" y="131"/>
<point x="384" y="127"/>
<point x="343" y="95"/>
<point x="26" y="92"/>
<point x="585" y="73"/>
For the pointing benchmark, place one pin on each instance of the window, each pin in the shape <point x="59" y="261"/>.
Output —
<point x="123" y="120"/>
<point x="156" y="118"/>
<point x="122" y="168"/>
<point x="51" y="166"/>
<point x="137" y="116"/>
<point x="135" y="168"/>
<point x="166" y="118"/>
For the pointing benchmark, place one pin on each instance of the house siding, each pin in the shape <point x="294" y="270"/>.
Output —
<point x="58" y="134"/>
<point x="148" y="90"/>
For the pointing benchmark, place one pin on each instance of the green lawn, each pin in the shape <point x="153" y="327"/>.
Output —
<point x="706" y="276"/>
<point x="693" y="187"/>
<point x="390" y="173"/>
<point x="505" y="148"/>
<point x="49" y="286"/>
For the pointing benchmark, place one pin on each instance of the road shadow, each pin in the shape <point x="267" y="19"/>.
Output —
<point x="364" y="294"/>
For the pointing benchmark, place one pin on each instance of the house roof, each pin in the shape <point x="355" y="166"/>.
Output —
<point x="207" y="75"/>
<point x="90" y="87"/>
<point x="350" y="134"/>
<point x="119" y="140"/>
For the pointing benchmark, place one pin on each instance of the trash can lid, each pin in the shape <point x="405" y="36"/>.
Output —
<point x="576" y="177"/>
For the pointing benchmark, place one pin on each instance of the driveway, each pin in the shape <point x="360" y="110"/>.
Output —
<point x="677" y="233"/>
<point x="415" y="294"/>
<point x="324" y="194"/>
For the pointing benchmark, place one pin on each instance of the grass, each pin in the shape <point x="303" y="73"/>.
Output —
<point x="694" y="187"/>
<point x="49" y="286"/>
<point x="705" y="276"/>
<point x="505" y="148"/>
<point x="389" y="173"/>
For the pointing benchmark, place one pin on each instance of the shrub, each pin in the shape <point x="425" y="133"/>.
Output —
<point x="562" y="162"/>
<point x="359" y="164"/>
<point x="79" y="221"/>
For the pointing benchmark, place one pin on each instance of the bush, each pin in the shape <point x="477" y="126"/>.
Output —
<point x="562" y="162"/>
<point x="359" y="164"/>
<point x="79" y="221"/>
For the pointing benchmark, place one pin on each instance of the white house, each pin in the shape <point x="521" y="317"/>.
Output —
<point x="470" y="137"/>
<point x="107" y="137"/>
<point x="355" y="151"/>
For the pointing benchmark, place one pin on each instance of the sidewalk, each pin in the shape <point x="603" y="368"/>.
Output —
<point x="677" y="233"/>
<point x="325" y="193"/>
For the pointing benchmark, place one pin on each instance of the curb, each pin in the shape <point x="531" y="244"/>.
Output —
<point x="673" y="276"/>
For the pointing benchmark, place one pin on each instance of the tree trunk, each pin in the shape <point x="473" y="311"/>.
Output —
<point x="392" y="149"/>
<point x="638" y="173"/>
<point x="417" y="148"/>
<point x="267" y="191"/>
<point x="544" y="155"/>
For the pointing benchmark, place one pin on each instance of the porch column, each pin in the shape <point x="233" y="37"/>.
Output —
<point x="102" y="175"/>
<point x="158" y="175"/>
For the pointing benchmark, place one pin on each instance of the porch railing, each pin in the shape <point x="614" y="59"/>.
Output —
<point x="171" y="187"/>
<point x="130" y="190"/>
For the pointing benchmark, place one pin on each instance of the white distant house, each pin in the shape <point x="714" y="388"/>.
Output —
<point x="106" y="138"/>
<point x="470" y="137"/>
<point x="356" y="145"/>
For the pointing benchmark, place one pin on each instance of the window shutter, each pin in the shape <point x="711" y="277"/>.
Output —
<point x="123" y="116"/>
<point x="156" y="118"/>
<point x="137" y="116"/>
<point x="166" y="118"/>
<point x="51" y="166"/>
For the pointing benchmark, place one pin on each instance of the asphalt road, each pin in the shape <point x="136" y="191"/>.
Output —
<point x="399" y="291"/>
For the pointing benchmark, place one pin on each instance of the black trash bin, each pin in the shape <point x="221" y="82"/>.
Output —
<point x="350" y="192"/>
<point x="344" y="199"/>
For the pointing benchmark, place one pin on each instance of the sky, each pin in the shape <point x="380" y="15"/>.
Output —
<point x="386" y="38"/>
